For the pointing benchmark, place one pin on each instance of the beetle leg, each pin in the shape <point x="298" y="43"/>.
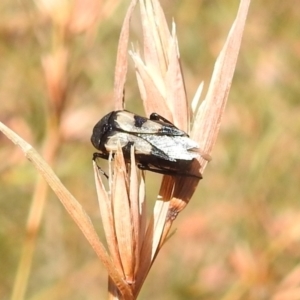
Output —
<point x="101" y="155"/>
<point x="146" y="167"/>
<point x="97" y="155"/>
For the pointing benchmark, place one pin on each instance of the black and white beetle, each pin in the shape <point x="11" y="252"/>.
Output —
<point x="159" y="146"/>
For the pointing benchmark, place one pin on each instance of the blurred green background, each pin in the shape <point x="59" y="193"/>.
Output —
<point x="239" y="238"/>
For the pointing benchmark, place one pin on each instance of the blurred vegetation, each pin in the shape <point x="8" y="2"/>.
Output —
<point x="240" y="236"/>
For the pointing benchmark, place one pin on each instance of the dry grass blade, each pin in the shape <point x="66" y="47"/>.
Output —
<point x="122" y="216"/>
<point x="157" y="40"/>
<point x="105" y="205"/>
<point x="196" y="99"/>
<point x="208" y="118"/>
<point x="176" y="94"/>
<point x="145" y="262"/>
<point x="142" y="210"/>
<point x="122" y="59"/>
<point x="135" y="209"/>
<point x="149" y="89"/>
<point x="163" y="66"/>
<point x="160" y="213"/>
<point x="155" y="59"/>
<point x="161" y="23"/>
<point x="72" y="206"/>
<point x="153" y="235"/>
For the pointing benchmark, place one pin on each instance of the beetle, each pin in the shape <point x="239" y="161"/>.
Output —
<point x="159" y="145"/>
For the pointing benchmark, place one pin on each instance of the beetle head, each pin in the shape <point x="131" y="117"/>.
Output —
<point x="101" y="129"/>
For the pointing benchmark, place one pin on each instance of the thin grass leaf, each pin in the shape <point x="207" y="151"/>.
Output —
<point x="153" y="99"/>
<point x="142" y="209"/>
<point x="155" y="57"/>
<point x="151" y="242"/>
<point x="161" y="25"/>
<point x="160" y="212"/>
<point x="106" y="211"/>
<point x="196" y="100"/>
<point x="122" y="216"/>
<point x="176" y="95"/>
<point x="122" y="59"/>
<point x="145" y="262"/>
<point x="135" y="210"/>
<point x="208" y="118"/>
